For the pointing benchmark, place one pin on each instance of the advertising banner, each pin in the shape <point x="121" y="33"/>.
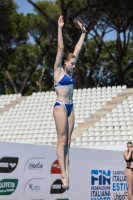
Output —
<point x="108" y="183"/>
<point x="32" y="172"/>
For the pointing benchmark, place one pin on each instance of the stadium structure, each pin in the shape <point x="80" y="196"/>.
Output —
<point x="103" y="117"/>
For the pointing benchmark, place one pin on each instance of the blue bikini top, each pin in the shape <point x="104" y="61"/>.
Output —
<point x="65" y="81"/>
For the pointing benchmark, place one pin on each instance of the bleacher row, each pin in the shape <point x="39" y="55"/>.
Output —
<point x="7" y="99"/>
<point x="114" y="129"/>
<point x="31" y="120"/>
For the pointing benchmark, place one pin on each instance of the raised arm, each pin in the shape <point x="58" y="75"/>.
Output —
<point x="127" y="154"/>
<point x="80" y="42"/>
<point x="58" y="61"/>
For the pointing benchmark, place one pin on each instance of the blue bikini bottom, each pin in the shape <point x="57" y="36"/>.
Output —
<point x="67" y="106"/>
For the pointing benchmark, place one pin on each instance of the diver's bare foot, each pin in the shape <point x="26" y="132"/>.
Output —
<point x="67" y="176"/>
<point x="65" y="182"/>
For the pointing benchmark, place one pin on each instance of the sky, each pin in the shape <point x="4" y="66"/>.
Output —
<point x="25" y="7"/>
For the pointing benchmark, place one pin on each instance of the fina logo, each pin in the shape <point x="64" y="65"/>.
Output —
<point x="100" y="177"/>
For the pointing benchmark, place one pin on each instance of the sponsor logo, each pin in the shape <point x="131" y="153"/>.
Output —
<point x="12" y="165"/>
<point x="34" y="188"/>
<point x="57" y="187"/>
<point x="35" y="166"/>
<point x="8" y="186"/>
<point x="120" y="196"/>
<point x="55" y="169"/>
<point x="8" y="164"/>
<point x="34" y="185"/>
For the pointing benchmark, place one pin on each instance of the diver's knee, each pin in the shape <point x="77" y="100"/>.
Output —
<point x="62" y="141"/>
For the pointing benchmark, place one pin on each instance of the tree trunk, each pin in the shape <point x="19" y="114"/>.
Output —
<point x="4" y="65"/>
<point x="11" y="81"/>
<point x="120" y="73"/>
<point x="30" y="73"/>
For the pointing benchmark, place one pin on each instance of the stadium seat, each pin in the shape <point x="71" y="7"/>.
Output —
<point x="31" y="120"/>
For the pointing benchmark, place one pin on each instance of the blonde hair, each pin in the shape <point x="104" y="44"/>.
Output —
<point x="67" y="57"/>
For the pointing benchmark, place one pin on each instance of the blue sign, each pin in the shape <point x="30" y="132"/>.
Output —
<point x="100" y="184"/>
<point x="101" y="177"/>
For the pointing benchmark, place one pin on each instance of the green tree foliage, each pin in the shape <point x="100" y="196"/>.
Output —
<point x="117" y="15"/>
<point x="72" y="11"/>
<point x="13" y="32"/>
<point x="100" y="17"/>
<point x="7" y="7"/>
<point x="20" y="59"/>
<point x="21" y="63"/>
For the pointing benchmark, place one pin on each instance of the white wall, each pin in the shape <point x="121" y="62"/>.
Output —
<point x="87" y="167"/>
<point x="109" y="147"/>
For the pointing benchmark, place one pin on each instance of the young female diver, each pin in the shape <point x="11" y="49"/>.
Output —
<point x="63" y="108"/>
<point x="128" y="156"/>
